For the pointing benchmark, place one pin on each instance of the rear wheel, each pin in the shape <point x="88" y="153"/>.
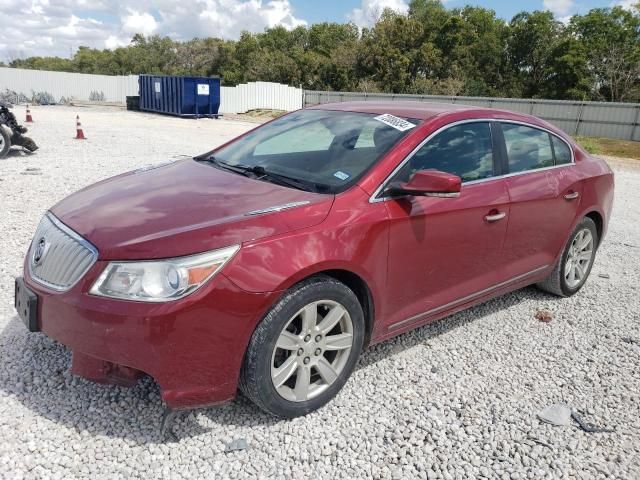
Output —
<point x="5" y="142"/>
<point x="576" y="261"/>
<point x="304" y="350"/>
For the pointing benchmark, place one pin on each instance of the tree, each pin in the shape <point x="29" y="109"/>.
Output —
<point x="429" y="50"/>
<point x="473" y="43"/>
<point x="568" y="73"/>
<point x="389" y="53"/>
<point x="611" y="38"/>
<point x="43" y="63"/>
<point x="532" y="40"/>
<point x="432" y="15"/>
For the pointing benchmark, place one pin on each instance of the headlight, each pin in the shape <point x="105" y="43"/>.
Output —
<point x="160" y="280"/>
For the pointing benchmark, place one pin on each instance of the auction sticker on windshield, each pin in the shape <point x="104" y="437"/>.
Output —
<point x="395" y="122"/>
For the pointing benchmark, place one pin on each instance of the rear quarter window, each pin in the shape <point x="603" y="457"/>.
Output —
<point x="562" y="151"/>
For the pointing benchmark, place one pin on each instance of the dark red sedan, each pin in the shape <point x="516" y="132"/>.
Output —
<point x="270" y="262"/>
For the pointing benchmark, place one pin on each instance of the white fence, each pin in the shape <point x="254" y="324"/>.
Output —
<point x="79" y="86"/>
<point x="254" y="95"/>
<point x="68" y="85"/>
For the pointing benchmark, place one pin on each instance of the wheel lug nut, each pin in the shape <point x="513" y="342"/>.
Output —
<point x="306" y="360"/>
<point x="307" y="338"/>
<point x="300" y="351"/>
<point x="318" y="338"/>
<point x="318" y="352"/>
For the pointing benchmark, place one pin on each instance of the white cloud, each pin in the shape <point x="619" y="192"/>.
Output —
<point x="370" y="11"/>
<point x="136" y="22"/>
<point x="225" y="18"/>
<point x="559" y="8"/>
<point x="47" y="27"/>
<point x="626" y="4"/>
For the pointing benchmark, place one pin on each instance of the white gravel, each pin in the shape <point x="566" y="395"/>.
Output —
<point x="457" y="399"/>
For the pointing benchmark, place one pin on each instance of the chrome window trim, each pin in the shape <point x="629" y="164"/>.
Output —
<point x="374" y="198"/>
<point x="82" y="241"/>
<point x="466" y="298"/>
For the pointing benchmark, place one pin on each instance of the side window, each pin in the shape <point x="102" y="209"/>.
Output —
<point x="306" y="138"/>
<point x="527" y="148"/>
<point x="561" y="150"/>
<point x="464" y="150"/>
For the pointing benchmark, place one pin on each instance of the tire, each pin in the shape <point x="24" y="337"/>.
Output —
<point x="271" y="374"/>
<point x="560" y="281"/>
<point x="5" y="142"/>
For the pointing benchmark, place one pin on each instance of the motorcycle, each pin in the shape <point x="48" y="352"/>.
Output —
<point x="11" y="133"/>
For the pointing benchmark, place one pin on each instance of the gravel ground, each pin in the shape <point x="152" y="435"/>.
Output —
<point x="456" y="399"/>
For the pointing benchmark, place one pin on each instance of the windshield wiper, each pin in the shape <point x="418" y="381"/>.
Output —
<point x="260" y="172"/>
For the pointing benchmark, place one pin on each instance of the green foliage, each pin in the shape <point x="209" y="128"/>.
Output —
<point x="610" y="146"/>
<point x="611" y="36"/>
<point x="589" y="144"/>
<point x="429" y="50"/>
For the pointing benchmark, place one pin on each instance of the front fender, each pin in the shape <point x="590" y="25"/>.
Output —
<point x="354" y="237"/>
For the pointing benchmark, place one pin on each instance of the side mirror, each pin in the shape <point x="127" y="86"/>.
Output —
<point x="428" y="183"/>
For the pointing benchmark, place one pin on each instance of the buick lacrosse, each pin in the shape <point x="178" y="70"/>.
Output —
<point x="269" y="263"/>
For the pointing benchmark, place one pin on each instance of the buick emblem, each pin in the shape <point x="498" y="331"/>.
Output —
<point x="39" y="251"/>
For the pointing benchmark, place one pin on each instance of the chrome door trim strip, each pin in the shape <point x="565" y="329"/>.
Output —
<point x="466" y="298"/>
<point x="278" y="208"/>
<point x="514" y="174"/>
<point x="374" y="197"/>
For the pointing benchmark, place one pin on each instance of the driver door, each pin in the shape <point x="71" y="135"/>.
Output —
<point x="445" y="252"/>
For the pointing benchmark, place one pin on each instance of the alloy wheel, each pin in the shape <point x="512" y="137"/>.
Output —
<point x="312" y="350"/>
<point x="579" y="258"/>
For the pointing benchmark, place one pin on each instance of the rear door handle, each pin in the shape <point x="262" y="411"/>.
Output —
<point x="571" y="196"/>
<point x="494" y="217"/>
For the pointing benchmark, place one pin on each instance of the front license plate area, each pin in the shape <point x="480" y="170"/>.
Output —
<point x="26" y="303"/>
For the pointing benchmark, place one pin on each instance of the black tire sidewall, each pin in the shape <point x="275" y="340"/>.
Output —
<point x="584" y="223"/>
<point x="6" y="142"/>
<point x="259" y="353"/>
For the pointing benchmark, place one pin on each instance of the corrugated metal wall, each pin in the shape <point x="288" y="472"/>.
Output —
<point x="68" y="85"/>
<point x="592" y="119"/>
<point x="254" y="95"/>
<point x="79" y="86"/>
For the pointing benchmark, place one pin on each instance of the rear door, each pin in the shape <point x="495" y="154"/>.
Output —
<point x="544" y="190"/>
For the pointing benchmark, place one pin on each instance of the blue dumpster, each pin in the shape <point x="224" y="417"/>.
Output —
<point x="182" y="96"/>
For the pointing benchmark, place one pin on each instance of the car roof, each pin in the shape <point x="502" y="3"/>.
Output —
<point x="412" y="109"/>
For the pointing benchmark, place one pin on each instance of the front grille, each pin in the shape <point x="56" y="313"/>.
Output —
<point x="58" y="256"/>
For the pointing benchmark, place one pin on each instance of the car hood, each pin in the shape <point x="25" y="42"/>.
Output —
<point x="183" y="208"/>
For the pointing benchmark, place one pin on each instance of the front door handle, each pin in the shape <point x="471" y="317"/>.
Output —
<point x="494" y="217"/>
<point x="571" y="196"/>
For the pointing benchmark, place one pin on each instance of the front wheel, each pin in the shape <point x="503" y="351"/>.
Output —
<point x="304" y="350"/>
<point x="576" y="261"/>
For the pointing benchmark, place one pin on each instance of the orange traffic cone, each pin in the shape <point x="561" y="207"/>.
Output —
<point x="79" y="132"/>
<point x="29" y="117"/>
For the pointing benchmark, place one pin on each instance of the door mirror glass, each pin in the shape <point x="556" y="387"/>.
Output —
<point x="428" y="183"/>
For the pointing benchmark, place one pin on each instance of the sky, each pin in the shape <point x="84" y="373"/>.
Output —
<point x="59" y="27"/>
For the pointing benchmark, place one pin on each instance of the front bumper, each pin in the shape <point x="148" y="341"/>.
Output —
<point x="192" y="347"/>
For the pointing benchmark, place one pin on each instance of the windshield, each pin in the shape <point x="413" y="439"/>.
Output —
<point x="328" y="150"/>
